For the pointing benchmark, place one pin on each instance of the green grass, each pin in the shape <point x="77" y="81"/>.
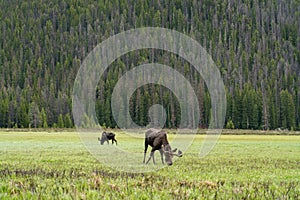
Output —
<point x="56" y="165"/>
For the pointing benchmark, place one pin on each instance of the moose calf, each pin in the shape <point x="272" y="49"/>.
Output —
<point x="106" y="137"/>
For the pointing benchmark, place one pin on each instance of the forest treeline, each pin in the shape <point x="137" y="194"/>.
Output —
<point x="255" y="45"/>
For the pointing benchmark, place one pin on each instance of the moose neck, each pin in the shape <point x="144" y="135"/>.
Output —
<point x="165" y="141"/>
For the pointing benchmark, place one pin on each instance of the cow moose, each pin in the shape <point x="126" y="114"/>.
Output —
<point x="106" y="137"/>
<point x="158" y="141"/>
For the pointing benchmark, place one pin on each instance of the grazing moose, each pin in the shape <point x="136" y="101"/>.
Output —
<point x="106" y="137"/>
<point x="158" y="141"/>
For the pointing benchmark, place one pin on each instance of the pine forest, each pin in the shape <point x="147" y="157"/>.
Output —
<point x="254" y="43"/>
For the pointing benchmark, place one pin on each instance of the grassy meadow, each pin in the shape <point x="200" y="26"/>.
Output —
<point x="56" y="165"/>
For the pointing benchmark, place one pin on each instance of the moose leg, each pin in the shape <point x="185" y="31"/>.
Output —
<point x="145" y="151"/>
<point x="162" y="156"/>
<point x="115" y="141"/>
<point x="151" y="156"/>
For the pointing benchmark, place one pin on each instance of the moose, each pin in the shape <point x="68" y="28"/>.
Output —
<point x="106" y="137"/>
<point x="158" y="141"/>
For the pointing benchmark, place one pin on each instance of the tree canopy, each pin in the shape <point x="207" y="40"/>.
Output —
<point x="255" y="45"/>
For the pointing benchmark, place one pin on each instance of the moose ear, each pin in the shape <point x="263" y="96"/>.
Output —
<point x="174" y="150"/>
<point x="179" y="153"/>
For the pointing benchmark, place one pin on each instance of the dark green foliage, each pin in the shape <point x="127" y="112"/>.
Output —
<point x="287" y="114"/>
<point x="230" y="125"/>
<point x="254" y="44"/>
<point x="60" y="123"/>
<point x="43" y="118"/>
<point x="68" y="121"/>
<point x="34" y="115"/>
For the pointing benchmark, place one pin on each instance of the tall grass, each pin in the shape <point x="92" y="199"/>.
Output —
<point x="56" y="165"/>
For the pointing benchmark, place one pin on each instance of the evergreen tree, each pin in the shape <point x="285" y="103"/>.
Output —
<point x="67" y="121"/>
<point x="60" y="122"/>
<point x="34" y="115"/>
<point x="23" y="114"/>
<point x="43" y="118"/>
<point x="287" y="110"/>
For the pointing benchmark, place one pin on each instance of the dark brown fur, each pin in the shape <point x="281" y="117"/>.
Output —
<point x="158" y="141"/>
<point x="106" y="137"/>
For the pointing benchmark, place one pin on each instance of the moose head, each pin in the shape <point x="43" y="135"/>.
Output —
<point x="169" y="153"/>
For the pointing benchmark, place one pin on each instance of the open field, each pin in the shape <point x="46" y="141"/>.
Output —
<point x="43" y="165"/>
